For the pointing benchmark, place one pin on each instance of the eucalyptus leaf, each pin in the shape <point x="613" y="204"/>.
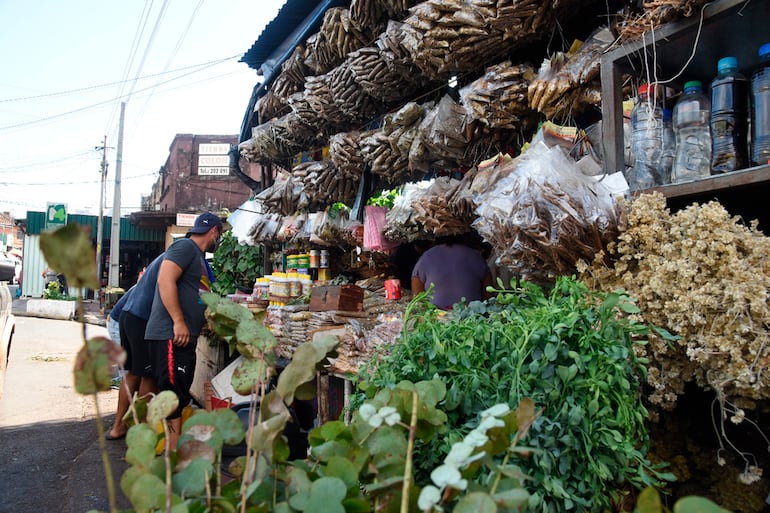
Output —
<point x="161" y="406"/>
<point x="141" y="441"/>
<point x="191" y="480"/>
<point x="303" y="363"/>
<point x="93" y="364"/>
<point x="476" y="502"/>
<point x="69" y="251"/>
<point x="326" y="495"/>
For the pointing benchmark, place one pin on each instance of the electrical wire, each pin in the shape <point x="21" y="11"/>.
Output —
<point x="112" y="84"/>
<point x="138" y="33"/>
<point x="100" y="104"/>
<point x="176" y="49"/>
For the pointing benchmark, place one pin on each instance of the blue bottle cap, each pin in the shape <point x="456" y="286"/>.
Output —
<point x="764" y="49"/>
<point x="727" y="64"/>
<point x="668" y="114"/>
<point x="693" y="84"/>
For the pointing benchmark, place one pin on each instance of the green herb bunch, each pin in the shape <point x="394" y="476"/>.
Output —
<point x="572" y="353"/>
<point x="235" y="264"/>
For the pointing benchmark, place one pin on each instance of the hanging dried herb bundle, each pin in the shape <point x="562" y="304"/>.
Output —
<point x="705" y="277"/>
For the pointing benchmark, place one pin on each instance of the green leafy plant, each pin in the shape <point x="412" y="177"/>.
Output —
<point x="385" y="198"/>
<point x="53" y="291"/>
<point x="356" y="468"/>
<point x="572" y="352"/>
<point x="235" y="265"/>
<point x="649" y="502"/>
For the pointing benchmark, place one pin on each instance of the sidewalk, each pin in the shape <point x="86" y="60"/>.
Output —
<point x="92" y="312"/>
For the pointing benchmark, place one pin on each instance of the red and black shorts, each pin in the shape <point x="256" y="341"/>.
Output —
<point x="174" y="370"/>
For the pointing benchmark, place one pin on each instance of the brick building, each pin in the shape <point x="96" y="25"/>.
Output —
<point x="196" y="177"/>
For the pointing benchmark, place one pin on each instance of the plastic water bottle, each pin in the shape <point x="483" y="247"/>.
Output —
<point x="668" y="151"/>
<point x="693" y="135"/>
<point x="646" y="141"/>
<point x="729" y="118"/>
<point x="760" y="122"/>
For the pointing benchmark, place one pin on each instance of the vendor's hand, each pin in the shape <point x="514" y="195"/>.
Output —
<point x="181" y="334"/>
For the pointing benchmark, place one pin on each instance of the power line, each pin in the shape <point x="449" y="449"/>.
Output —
<point x="99" y="104"/>
<point x="112" y="84"/>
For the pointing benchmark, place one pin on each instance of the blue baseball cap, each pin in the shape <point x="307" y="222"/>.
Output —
<point x="205" y="222"/>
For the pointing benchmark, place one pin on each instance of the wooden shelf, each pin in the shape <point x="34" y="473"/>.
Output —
<point x="730" y="27"/>
<point x="715" y="184"/>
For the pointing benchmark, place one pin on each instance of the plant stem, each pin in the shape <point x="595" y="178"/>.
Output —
<point x="409" y="450"/>
<point x="167" y="461"/>
<point x="105" y="457"/>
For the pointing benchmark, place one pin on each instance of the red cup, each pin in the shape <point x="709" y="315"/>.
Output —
<point x="392" y="289"/>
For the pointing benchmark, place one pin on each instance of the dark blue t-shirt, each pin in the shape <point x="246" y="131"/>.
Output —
<point x="140" y="302"/>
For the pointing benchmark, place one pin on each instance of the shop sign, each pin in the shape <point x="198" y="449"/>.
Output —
<point x="55" y="215"/>
<point x="186" y="219"/>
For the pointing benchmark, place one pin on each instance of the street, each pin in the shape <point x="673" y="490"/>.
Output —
<point x="50" y="457"/>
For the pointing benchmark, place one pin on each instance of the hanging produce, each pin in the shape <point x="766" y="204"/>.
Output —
<point x="445" y="36"/>
<point x="292" y="76"/>
<point x="337" y="37"/>
<point x="323" y="184"/>
<point x="568" y="83"/>
<point x="445" y="133"/>
<point x="499" y="98"/>
<point x="269" y="106"/>
<point x="401" y="225"/>
<point x="544" y="215"/>
<point x="284" y="197"/>
<point x="348" y="95"/>
<point x="438" y="212"/>
<point x="345" y="152"/>
<point x="370" y="13"/>
<point x="387" y="150"/>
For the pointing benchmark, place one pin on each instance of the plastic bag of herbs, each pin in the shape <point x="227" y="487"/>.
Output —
<point x="568" y="349"/>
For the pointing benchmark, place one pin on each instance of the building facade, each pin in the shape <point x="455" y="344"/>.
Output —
<point x="196" y="177"/>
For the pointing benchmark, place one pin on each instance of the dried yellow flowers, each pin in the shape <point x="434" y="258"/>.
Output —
<point x="704" y="276"/>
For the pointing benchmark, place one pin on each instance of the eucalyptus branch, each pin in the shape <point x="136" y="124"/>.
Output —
<point x="105" y="456"/>
<point x="409" y="455"/>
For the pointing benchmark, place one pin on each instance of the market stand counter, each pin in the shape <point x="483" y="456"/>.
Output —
<point x="362" y="335"/>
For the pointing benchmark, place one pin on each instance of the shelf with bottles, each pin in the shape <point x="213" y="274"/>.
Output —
<point x="687" y="50"/>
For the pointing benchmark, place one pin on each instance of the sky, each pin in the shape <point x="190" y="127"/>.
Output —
<point x="68" y="65"/>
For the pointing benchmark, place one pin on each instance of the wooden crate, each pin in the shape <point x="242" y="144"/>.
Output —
<point x="348" y="298"/>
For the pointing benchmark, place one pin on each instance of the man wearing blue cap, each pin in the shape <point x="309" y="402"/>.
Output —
<point x="177" y="314"/>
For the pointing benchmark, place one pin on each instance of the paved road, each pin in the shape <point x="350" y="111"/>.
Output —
<point x="49" y="450"/>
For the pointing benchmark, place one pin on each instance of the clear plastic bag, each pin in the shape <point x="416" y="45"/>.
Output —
<point x="545" y="215"/>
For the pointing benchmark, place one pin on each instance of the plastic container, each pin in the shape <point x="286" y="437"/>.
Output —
<point x="646" y="141"/>
<point x="295" y="286"/>
<point x="279" y="286"/>
<point x="261" y="288"/>
<point x="668" y="150"/>
<point x="303" y="261"/>
<point x="307" y="284"/>
<point x="693" y="135"/>
<point x="315" y="259"/>
<point x="324" y="259"/>
<point x="292" y="261"/>
<point x="729" y="118"/>
<point x="760" y="120"/>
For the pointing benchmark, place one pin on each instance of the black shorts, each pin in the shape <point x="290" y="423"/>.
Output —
<point x="139" y="359"/>
<point x="175" y="370"/>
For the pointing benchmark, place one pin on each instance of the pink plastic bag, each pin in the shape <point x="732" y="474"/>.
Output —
<point x="374" y="227"/>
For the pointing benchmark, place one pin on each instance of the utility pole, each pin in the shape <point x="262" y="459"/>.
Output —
<point x="114" y="276"/>
<point x="100" y="224"/>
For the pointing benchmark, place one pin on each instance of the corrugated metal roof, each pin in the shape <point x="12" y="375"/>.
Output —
<point x="286" y="23"/>
<point x="128" y="232"/>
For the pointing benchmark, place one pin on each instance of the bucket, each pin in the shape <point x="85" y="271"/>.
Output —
<point x="392" y="289"/>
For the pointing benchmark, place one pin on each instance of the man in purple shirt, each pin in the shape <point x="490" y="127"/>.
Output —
<point x="456" y="271"/>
